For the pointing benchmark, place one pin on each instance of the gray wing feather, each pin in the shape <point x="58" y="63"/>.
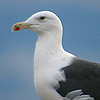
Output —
<point x="77" y="95"/>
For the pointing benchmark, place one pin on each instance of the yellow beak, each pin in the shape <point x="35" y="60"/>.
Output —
<point x="20" y="25"/>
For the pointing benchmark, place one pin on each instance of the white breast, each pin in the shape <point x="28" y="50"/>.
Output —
<point x="47" y="73"/>
<point x="49" y="58"/>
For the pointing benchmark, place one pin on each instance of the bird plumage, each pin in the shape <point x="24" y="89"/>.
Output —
<point x="59" y="75"/>
<point x="83" y="75"/>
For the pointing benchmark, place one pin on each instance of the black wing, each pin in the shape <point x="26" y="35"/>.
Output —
<point x="83" y="75"/>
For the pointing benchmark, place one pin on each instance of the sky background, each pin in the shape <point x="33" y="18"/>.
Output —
<point x="81" y="23"/>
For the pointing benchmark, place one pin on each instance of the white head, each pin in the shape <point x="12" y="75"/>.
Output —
<point x="41" y="22"/>
<point x="49" y="29"/>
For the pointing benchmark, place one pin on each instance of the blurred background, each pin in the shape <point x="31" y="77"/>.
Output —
<point x="81" y="23"/>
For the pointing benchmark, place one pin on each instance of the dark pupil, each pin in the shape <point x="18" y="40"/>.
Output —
<point x="42" y="18"/>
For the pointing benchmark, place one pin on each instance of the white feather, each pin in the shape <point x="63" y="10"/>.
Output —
<point x="49" y="55"/>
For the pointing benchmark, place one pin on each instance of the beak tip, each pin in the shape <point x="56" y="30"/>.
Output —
<point x="19" y="26"/>
<point x="12" y="30"/>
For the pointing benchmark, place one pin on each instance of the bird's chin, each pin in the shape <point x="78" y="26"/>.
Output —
<point x="35" y="28"/>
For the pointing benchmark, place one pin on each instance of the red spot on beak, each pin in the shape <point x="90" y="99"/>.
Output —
<point x="17" y="29"/>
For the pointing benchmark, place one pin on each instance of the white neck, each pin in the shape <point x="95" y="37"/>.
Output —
<point x="48" y="44"/>
<point x="48" y="48"/>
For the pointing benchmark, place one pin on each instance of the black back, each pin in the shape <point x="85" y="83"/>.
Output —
<point x="83" y="75"/>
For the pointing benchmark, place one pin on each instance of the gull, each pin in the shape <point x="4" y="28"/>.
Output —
<point x="58" y="74"/>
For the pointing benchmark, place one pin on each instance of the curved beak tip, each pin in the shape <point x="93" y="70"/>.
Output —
<point x="20" y="25"/>
<point x="12" y="30"/>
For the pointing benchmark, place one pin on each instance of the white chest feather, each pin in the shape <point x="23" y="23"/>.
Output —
<point x="46" y="77"/>
<point x="49" y="58"/>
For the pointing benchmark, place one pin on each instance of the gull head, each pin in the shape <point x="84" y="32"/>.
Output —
<point x="41" y="22"/>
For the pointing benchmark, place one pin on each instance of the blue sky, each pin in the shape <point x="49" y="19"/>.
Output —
<point x="81" y="22"/>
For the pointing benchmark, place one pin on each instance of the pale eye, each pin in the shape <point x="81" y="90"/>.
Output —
<point x="42" y="17"/>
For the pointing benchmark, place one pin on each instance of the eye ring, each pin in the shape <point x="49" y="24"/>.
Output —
<point x="42" y="17"/>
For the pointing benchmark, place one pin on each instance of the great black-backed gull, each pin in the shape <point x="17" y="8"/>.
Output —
<point x="59" y="75"/>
